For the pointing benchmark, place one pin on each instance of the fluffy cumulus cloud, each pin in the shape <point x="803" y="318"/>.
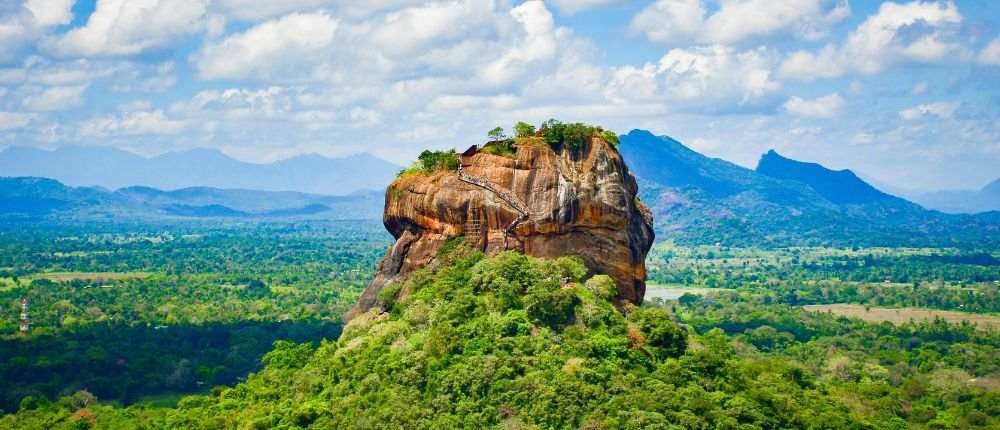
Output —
<point x="51" y="12"/>
<point x="737" y="21"/>
<point x="827" y="106"/>
<point x="709" y="77"/>
<point x="428" y="27"/>
<point x="897" y="34"/>
<point x="126" y="27"/>
<point x="942" y="110"/>
<point x="286" y="46"/>
<point x="22" y="23"/>
<point x="537" y="44"/>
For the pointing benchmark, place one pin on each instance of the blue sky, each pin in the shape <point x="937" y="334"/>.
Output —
<point x="907" y="93"/>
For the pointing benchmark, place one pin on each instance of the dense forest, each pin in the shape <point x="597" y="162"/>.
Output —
<point x="105" y="301"/>
<point x="252" y="316"/>
<point x="478" y="342"/>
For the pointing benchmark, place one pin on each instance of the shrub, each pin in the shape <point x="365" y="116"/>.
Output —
<point x="387" y="295"/>
<point x="438" y="160"/>
<point x="502" y="148"/>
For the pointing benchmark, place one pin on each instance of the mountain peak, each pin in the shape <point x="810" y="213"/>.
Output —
<point x="837" y="186"/>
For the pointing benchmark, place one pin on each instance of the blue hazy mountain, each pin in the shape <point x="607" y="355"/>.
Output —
<point x="698" y="199"/>
<point x="33" y="198"/>
<point x="838" y="186"/>
<point x="962" y="201"/>
<point x="114" y="168"/>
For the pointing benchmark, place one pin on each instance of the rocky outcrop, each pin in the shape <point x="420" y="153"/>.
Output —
<point x="579" y="202"/>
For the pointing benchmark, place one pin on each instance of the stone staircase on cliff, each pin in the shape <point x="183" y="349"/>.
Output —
<point x="504" y="194"/>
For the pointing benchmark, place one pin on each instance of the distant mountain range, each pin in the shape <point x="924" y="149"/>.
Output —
<point x="947" y="201"/>
<point x="961" y="201"/>
<point x="114" y="168"/>
<point x="35" y="198"/>
<point x="697" y="199"/>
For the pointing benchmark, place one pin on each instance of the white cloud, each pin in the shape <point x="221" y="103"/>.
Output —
<point x="827" y="106"/>
<point x="15" y="35"/>
<point x="942" y="110"/>
<point x="706" y="77"/>
<point x="56" y="98"/>
<point x="134" y="124"/>
<point x="126" y="27"/>
<point x="538" y="43"/>
<point x="286" y="46"/>
<point x="15" y="120"/>
<point x="256" y="10"/>
<point x="573" y="6"/>
<point x="51" y="12"/>
<point x="238" y="104"/>
<point x="897" y="34"/>
<point x="737" y="21"/>
<point x="429" y="26"/>
<point x="990" y="53"/>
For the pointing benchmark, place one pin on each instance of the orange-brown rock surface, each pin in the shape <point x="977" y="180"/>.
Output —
<point x="580" y="202"/>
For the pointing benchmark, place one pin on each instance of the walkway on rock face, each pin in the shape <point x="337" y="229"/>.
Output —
<point x="504" y="194"/>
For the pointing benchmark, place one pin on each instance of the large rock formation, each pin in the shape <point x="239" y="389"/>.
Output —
<point x="578" y="202"/>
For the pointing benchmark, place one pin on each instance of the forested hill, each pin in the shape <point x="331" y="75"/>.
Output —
<point x="700" y="200"/>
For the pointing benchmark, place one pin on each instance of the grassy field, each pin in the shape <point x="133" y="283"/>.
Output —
<point x="901" y="315"/>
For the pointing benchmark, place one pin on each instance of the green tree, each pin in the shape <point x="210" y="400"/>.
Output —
<point x="497" y="134"/>
<point x="523" y="129"/>
<point x="660" y="332"/>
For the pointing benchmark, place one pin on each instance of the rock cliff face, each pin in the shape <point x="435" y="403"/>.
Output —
<point x="580" y="202"/>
